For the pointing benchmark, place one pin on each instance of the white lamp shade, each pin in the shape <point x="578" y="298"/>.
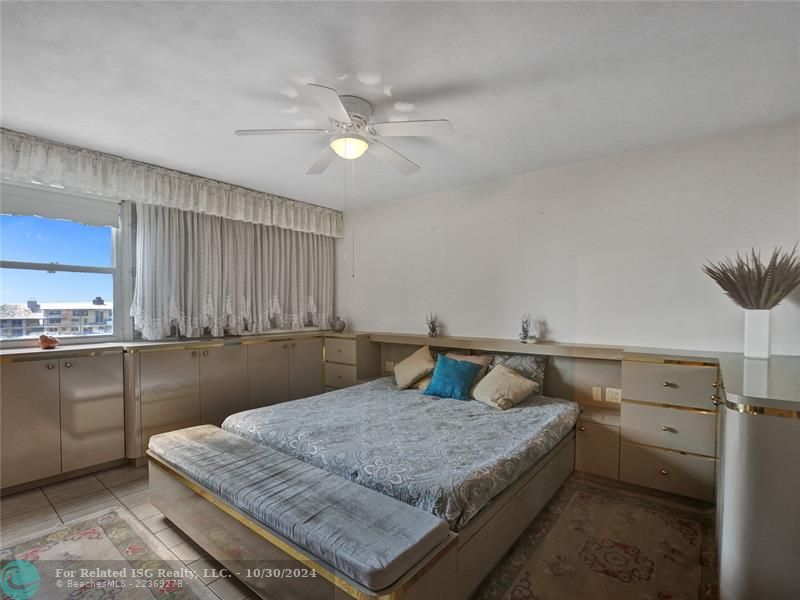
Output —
<point x="349" y="147"/>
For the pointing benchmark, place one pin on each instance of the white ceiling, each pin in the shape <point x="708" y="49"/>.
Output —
<point x="526" y="85"/>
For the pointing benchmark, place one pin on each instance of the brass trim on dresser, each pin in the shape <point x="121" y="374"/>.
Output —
<point x="62" y="354"/>
<point x="703" y="411"/>
<point x="665" y="449"/>
<point x="752" y="409"/>
<point x="669" y="361"/>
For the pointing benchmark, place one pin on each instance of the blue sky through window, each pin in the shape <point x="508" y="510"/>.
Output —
<point x="34" y="239"/>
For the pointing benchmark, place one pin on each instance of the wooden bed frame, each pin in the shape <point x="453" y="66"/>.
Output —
<point x="274" y="567"/>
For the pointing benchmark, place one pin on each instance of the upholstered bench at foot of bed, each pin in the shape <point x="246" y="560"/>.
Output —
<point x="368" y="536"/>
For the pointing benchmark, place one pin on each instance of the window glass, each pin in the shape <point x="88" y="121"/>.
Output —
<point x="39" y="240"/>
<point x="61" y="304"/>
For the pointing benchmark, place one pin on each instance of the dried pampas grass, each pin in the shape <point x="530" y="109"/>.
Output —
<point x="754" y="285"/>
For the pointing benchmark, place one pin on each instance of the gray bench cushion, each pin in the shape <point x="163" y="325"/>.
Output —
<point x="370" y="537"/>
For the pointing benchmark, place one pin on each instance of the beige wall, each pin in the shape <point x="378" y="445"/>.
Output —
<point x="608" y="251"/>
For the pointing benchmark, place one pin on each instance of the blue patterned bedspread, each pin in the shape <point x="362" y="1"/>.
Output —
<point x="446" y="457"/>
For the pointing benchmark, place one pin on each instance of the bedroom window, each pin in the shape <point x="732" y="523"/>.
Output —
<point x="58" y="268"/>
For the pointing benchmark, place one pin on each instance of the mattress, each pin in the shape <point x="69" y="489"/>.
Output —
<point x="446" y="457"/>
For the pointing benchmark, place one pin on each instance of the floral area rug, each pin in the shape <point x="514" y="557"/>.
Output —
<point x="599" y="542"/>
<point x="106" y="556"/>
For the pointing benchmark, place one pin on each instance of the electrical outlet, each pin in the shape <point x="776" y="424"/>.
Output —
<point x="614" y="395"/>
<point x="388" y="366"/>
<point x="597" y="393"/>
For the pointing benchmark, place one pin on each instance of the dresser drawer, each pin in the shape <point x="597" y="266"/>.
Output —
<point x="597" y="449"/>
<point x="339" y="376"/>
<point x="675" y="428"/>
<point x="668" y="470"/>
<point x="667" y="383"/>
<point x="340" y="351"/>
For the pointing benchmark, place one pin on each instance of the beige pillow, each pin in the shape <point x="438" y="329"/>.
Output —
<point x="484" y="360"/>
<point x="503" y="388"/>
<point x="413" y="368"/>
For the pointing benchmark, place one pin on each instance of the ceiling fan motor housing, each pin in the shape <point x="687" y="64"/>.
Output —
<point x="359" y="110"/>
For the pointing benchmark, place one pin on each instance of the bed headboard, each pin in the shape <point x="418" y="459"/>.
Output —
<point x="565" y="376"/>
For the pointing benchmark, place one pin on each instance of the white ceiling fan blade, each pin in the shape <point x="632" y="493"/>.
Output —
<point x="392" y="157"/>
<point x="414" y="128"/>
<point x="276" y="131"/>
<point x="329" y="99"/>
<point x="323" y="161"/>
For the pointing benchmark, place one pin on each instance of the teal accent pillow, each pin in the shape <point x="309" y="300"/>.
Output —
<point x="452" y="378"/>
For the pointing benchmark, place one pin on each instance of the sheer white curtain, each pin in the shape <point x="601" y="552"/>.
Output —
<point x="195" y="271"/>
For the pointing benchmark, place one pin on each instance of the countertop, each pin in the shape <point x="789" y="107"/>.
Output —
<point x="772" y="383"/>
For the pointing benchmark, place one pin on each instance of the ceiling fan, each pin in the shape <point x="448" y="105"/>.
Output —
<point x="352" y="133"/>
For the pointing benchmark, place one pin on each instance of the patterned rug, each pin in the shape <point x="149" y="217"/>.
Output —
<point x="108" y="555"/>
<point x="599" y="542"/>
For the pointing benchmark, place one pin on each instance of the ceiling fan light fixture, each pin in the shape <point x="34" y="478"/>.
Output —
<point x="349" y="146"/>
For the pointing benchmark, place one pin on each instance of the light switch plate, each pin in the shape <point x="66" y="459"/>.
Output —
<point x="614" y="395"/>
<point x="597" y="393"/>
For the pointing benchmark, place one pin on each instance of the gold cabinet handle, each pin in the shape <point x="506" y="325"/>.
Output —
<point x="205" y="352"/>
<point x="716" y="400"/>
<point x="665" y="428"/>
<point x="582" y="428"/>
<point x="68" y="364"/>
<point x="194" y="354"/>
<point x="669" y="384"/>
<point x="50" y="365"/>
<point x="663" y="472"/>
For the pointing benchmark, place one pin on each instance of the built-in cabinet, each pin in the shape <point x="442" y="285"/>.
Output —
<point x="223" y="383"/>
<point x="268" y="372"/>
<point x="170" y="391"/>
<point x="669" y="425"/>
<point x="597" y="442"/>
<point x="350" y="359"/>
<point x="30" y="421"/>
<point x="60" y="415"/>
<point x="281" y="370"/>
<point x="204" y="385"/>
<point x="305" y="368"/>
<point x="92" y="411"/>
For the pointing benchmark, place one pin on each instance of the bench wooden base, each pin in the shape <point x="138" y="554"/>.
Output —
<point x="274" y="567"/>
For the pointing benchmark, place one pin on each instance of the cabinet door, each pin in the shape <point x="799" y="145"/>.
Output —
<point x="223" y="383"/>
<point x="170" y="391"/>
<point x="597" y="449"/>
<point x="92" y="411"/>
<point x="268" y="373"/>
<point x="30" y="430"/>
<point x="305" y="368"/>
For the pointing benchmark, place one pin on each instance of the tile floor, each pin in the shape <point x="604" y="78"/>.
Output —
<point x="27" y="513"/>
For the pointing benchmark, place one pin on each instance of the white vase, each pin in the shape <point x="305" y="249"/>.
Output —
<point x="756" y="333"/>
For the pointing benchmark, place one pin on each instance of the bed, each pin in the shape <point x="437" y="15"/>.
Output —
<point x="446" y="457"/>
<point x="486" y="473"/>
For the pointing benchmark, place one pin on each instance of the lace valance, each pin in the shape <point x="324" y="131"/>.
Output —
<point x="28" y="159"/>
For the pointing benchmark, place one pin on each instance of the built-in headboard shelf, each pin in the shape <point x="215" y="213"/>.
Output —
<point x="502" y="345"/>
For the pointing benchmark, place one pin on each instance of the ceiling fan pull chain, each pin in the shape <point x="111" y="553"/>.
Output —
<point x="352" y="228"/>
